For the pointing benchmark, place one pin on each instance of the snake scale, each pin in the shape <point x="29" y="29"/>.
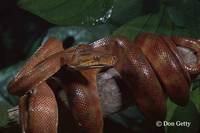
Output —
<point x="151" y="66"/>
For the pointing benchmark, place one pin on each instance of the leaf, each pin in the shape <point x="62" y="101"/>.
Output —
<point x="159" y="23"/>
<point x="132" y="28"/>
<point x="125" y="10"/>
<point x="69" y="12"/>
<point x="4" y="106"/>
<point x="131" y="118"/>
<point x="90" y="12"/>
<point x="196" y="83"/>
<point x="195" y="98"/>
<point x="188" y="113"/>
<point x="147" y="23"/>
<point x="171" y="107"/>
<point x="185" y="13"/>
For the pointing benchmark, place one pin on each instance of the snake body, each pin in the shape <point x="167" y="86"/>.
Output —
<point x="151" y="67"/>
<point x="138" y="74"/>
<point x="39" y="101"/>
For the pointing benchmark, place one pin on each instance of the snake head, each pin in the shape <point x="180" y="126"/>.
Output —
<point x="84" y="56"/>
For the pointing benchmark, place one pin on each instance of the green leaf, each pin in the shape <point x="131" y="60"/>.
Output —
<point x="195" y="98"/>
<point x="125" y="10"/>
<point x="185" y="13"/>
<point x="196" y="83"/>
<point x="70" y="12"/>
<point x="188" y="113"/>
<point x="171" y="107"/>
<point x="147" y="23"/>
<point x="4" y="106"/>
<point x="159" y="23"/>
<point x="132" y="28"/>
<point x="131" y="118"/>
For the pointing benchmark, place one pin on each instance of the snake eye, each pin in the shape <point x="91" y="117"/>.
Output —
<point x="114" y="60"/>
<point x="97" y="58"/>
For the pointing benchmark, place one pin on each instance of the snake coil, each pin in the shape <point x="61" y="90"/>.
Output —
<point x="151" y="66"/>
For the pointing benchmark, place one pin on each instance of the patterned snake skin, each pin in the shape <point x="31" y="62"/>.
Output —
<point x="151" y="66"/>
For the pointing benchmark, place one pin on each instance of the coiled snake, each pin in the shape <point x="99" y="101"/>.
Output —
<point x="151" y="66"/>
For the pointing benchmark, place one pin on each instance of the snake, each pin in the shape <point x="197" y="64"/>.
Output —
<point x="38" y="107"/>
<point x="151" y="66"/>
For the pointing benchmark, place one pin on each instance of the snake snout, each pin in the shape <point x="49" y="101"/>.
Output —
<point x="94" y="60"/>
<point x="108" y="60"/>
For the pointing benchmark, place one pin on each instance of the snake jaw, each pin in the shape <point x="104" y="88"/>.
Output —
<point x="93" y="61"/>
<point x="86" y="57"/>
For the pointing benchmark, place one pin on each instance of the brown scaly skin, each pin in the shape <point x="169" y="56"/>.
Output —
<point x="145" y="87"/>
<point x="84" y="102"/>
<point x="151" y="66"/>
<point x="175" y="80"/>
<point x="39" y="101"/>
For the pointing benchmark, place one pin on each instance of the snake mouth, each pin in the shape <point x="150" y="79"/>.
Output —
<point x="92" y="66"/>
<point x="97" y="62"/>
<point x="85" y="57"/>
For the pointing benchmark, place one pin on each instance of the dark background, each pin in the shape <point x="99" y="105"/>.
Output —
<point x="19" y="29"/>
